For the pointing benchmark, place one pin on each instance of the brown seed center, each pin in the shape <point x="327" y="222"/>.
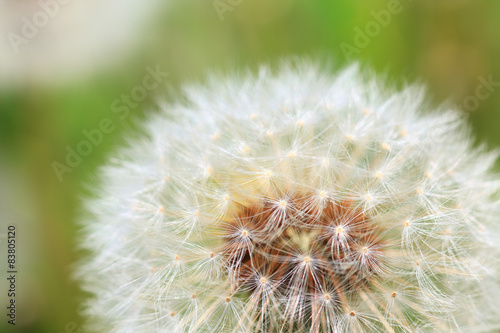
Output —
<point x="302" y="248"/>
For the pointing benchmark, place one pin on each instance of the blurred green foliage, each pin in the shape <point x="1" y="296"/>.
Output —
<point x="447" y="44"/>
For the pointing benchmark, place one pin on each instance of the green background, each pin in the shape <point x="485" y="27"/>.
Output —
<point x="449" y="45"/>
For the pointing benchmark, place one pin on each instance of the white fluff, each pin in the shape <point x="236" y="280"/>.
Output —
<point x="154" y="231"/>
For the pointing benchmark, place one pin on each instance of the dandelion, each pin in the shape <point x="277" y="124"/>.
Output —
<point x="59" y="41"/>
<point x="296" y="201"/>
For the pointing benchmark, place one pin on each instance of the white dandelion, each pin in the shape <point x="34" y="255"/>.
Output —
<point x="56" y="41"/>
<point x="296" y="201"/>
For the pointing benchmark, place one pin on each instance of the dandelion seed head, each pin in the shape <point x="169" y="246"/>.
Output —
<point x="296" y="201"/>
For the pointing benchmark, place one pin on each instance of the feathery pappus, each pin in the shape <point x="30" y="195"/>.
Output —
<point x="295" y="200"/>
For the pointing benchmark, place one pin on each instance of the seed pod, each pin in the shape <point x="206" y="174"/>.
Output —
<point x="296" y="201"/>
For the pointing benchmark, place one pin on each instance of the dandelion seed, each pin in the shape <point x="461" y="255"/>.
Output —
<point x="255" y="242"/>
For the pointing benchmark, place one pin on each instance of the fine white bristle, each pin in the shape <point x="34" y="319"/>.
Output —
<point x="296" y="201"/>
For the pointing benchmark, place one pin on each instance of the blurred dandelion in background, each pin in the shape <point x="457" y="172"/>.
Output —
<point x="296" y="201"/>
<point x="54" y="41"/>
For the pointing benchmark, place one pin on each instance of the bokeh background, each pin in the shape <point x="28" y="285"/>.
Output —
<point x="65" y="78"/>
